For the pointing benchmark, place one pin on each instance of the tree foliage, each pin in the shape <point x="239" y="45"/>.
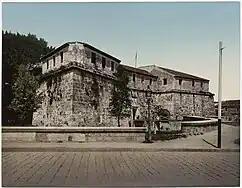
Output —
<point x="19" y="50"/>
<point x="120" y="105"/>
<point x="25" y="99"/>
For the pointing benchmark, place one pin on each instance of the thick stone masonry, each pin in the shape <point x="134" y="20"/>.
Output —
<point x="191" y="85"/>
<point x="56" y="108"/>
<point x="74" y="134"/>
<point x="91" y="100"/>
<point x="77" y="90"/>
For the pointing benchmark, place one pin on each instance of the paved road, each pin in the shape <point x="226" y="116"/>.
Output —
<point x="120" y="168"/>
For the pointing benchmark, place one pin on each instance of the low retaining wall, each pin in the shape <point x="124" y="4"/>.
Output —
<point x="199" y="127"/>
<point x="75" y="134"/>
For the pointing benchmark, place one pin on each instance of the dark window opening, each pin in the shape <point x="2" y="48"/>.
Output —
<point x="134" y="77"/>
<point x="101" y="88"/>
<point x="180" y="82"/>
<point x="86" y="91"/>
<point x="61" y="57"/>
<point x="93" y="57"/>
<point x="103" y="62"/>
<point x="201" y="84"/>
<point x="165" y="81"/>
<point x="54" y="61"/>
<point x="193" y="83"/>
<point x="69" y="138"/>
<point x="47" y="64"/>
<point x="134" y="113"/>
<point x="142" y="79"/>
<point x="112" y="66"/>
<point x="95" y="106"/>
<point x="150" y="81"/>
<point x="51" y="100"/>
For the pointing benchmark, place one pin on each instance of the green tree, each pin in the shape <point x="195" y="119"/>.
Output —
<point x="120" y="105"/>
<point x="18" y="50"/>
<point x="25" y="99"/>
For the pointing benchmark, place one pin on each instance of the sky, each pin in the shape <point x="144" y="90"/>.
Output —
<point x="181" y="36"/>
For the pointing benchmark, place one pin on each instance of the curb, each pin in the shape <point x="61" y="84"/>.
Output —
<point x="69" y="149"/>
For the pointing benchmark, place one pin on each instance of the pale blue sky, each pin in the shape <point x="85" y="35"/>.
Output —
<point x="181" y="36"/>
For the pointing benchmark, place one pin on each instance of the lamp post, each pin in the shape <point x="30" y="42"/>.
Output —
<point x="149" y="100"/>
<point x="220" y="93"/>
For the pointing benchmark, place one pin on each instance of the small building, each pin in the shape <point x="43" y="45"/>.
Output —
<point x="230" y="111"/>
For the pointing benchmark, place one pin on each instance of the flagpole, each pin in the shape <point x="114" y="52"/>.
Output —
<point x="135" y="60"/>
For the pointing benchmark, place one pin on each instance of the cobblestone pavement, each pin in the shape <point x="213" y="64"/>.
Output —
<point x="120" y="169"/>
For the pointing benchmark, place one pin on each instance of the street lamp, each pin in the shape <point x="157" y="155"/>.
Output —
<point x="149" y="101"/>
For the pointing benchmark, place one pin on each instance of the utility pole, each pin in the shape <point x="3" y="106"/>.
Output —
<point x="149" y="124"/>
<point x="149" y="101"/>
<point x="220" y="93"/>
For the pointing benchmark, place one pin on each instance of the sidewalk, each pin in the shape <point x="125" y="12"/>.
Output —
<point x="229" y="134"/>
<point x="192" y="143"/>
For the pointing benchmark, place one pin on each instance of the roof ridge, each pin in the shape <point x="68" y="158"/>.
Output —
<point x="141" y="71"/>
<point x="83" y="43"/>
<point x="184" y="73"/>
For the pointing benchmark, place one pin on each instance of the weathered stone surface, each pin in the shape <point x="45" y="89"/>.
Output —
<point x="73" y="134"/>
<point x="18" y="137"/>
<point x="79" y="94"/>
<point x="198" y="129"/>
<point x="230" y="112"/>
<point x="115" y="137"/>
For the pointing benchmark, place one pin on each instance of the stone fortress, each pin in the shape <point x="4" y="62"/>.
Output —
<point x="78" y="79"/>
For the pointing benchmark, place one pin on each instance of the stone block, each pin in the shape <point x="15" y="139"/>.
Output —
<point x="18" y="137"/>
<point x="77" y="137"/>
<point x="55" y="137"/>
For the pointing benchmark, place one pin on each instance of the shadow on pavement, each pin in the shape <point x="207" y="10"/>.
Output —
<point x="210" y="143"/>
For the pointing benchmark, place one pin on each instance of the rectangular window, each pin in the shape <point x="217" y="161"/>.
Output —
<point x="61" y="54"/>
<point x="112" y="66"/>
<point x="142" y="79"/>
<point x="201" y="84"/>
<point x="47" y="64"/>
<point x="93" y="57"/>
<point x="165" y="81"/>
<point x="193" y="83"/>
<point x="134" y="77"/>
<point x="103" y="62"/>
<point x="54" y="61"/>
<point x="180" y="82"/>
<point x="151" y="81"/>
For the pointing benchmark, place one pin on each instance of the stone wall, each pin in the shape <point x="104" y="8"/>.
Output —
<point x="91" y="98"/>
<point x="79" y="94"/>
<point x="58" y="63"/>
<point x="193" y="104"/>
<point x="187" y="84"/>
<point x="82" y="56"/>
<point x="195" y="130"/>
<point x="160" y="84"/>
<point x="72" y="134"/>
<point x="98" y="65"/>
<point x="141" y="82"/>
<point x="56" y="109"/>
<point x="165" y="100"/>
